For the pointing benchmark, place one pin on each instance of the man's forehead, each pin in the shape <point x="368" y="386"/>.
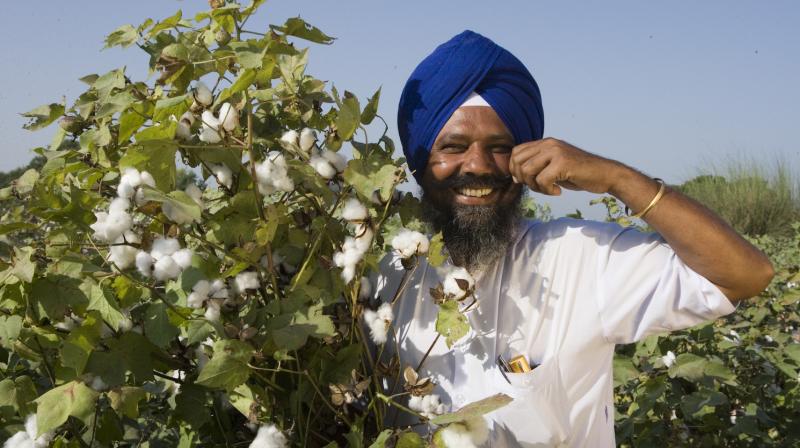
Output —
<point x="467" y="122"/>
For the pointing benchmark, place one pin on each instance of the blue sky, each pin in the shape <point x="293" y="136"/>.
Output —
<point x="665" y="87"/>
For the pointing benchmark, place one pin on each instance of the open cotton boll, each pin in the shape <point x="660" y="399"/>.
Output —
<point x="269" y="436"/>
<point x="308" y="139"/>
<point x="213" y="308"/>
<point x="223" y="174"/>
<point x="119" y="205"/>
<point x="144" y="263"/>
<point x="228" y="117"/>
<point x="354" y="210"/>
<point x="322" y="167"/>
<point x="125" y="190"/>
<point x="218" y="290"/>
<point x="467" y="434"/>
<point x="209" y="132"/>
<point x="385" y="312"/>
<point x="131" y="176"/>
<point x="451" y="286"/>
<point x="109" y="226"/>
<point x="147" y="179"/>
<point x="195" y="300"/>
<point x="668" y="359"/>
<point x="410" y="242"/>
<point x="166" y="268"/>
<point x="334" y="158"/>
<point x="163" y="247"/>
<point x="290" y="141"/>
<point x="246" y="280"/>
<point x="364" y="240"/>
<point x="184" y="130"/>
<point x="378" y="327"/>
<point x="123" y="256"/>
<point x="183" y="258"/>
<point x="202" y="94"/>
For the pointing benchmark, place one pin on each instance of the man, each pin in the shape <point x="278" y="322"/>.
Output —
<point x="560" y="294"/>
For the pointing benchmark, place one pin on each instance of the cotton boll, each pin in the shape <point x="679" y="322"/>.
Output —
<point x="409" y="243"/>
<point x="228" y="117"/>
<point x="144" y="263"/>
<point x="284" y="183"/>
<point x="451" y="286"/>
<point x="19" y="440"/>
<point x="166" y="268"/>
<point x="125" y="324"/>
<point x="195" y="300"/>
<point x="308" y="139"/>
<point x="202" y="287"/>
<point x="119" y="205"/>
<point x="202" y="94"/>
<point x="183" y="258"/>
<point x="354" y="210"/>
<point x="98" y="384"/>
<point x="218" y="290"/>
<point x="147" y="179"/>
<point x="290" y="141"/>
<point x="334" y="158"/>
<point x="125" y="190"/>
<point x="385" y="312"/>
<point x="223" y="174"/>
<point x="124" y="256"/>
<point x="194" y="192"/>
<point x="364" y="240"/>
<point x="213" y="309"/>
<point x="415" y="402"/>
<point x="163" y="247"/>
<point x="348" y="272"/>
<point x="132" y="177"/>
<point x="183" y="131"/>
<point x="668" y="359"/>
<point x="456" y="435"/>
<point x="269" y="436"/>
<point x="28" y="438"/>
<point x="322" y="167"/>
<point x="377" y="326"/>
<point x="245" y="281"/>
<point x="209" y="135"/>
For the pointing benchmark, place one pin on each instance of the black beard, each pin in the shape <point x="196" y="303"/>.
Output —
<point x="475" y="235"/>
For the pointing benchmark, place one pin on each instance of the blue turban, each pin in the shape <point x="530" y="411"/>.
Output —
<point x="466" y="63"/>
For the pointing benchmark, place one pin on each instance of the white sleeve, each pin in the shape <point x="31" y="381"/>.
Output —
<point x="644" y="288"/>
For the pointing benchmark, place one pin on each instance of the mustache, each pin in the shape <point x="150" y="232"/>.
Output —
<point x="475" y="181"/>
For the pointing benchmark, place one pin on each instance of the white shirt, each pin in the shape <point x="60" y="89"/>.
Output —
<point x="564" y="294"/>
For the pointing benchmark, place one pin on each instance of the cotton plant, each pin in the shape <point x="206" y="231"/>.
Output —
<point x="273" y="274"/>
<point x="408" y="243"/>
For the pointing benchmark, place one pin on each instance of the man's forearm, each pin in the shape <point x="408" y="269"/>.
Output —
<point x="699" y="237"/>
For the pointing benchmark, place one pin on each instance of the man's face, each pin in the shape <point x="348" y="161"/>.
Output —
<point x="468" y="192"/>
<point x="468" y="163"/>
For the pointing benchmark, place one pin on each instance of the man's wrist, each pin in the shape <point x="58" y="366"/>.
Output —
<point x="633" y="188"/>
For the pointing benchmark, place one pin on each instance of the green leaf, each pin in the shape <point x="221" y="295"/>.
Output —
<point x="24" y="267"/>
<point x="102" y="300"/>
<point x="157" y="326"/>
<point x="78" y="345"/>
<point x="125" y="400"/>
<point x="163" y="131"/>
<point x="451" y="323"/>
<point x="70" y="399"/>
<point x="349" y="117"/>
<point x="243" y="81"/>
<point x="624" y="370"/>
<point x="175" y="106"/>
<point x="474" y="409"/>
<point x="192" y="405"/>
<point x="124" y="36"/>
<point x="10" y="327"/>
<point x="55" y="293"/>
<point x="291" y="331"/>
<point x="242" y="398"/>
<point x="107" y="83"/>
<point x="249" y="54"/>
<point x="410" y="439"/>
<point x="131" y="121"/>
<point x="42" y="116"/>
<point x="436" y="252"/>
<point x="18" y="393"/>
<point x="380" y="441"/>
<point x="228" y="367"/>
<point x="694" y="403"/>
<point x="156" y="157"/>
<point x="298" y="27"/>
<point x="688" y="366"/>
<point x="366" y="177"/>
<point x="116" y="103"/>
<point x="371" y="109"/>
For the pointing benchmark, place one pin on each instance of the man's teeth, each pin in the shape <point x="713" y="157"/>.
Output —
<point x="475" y="192"/>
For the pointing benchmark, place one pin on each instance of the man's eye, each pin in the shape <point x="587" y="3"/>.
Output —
<point x="453" y="148"/>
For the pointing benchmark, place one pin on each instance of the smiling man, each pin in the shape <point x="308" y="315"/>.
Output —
<point x="559" y="294"/>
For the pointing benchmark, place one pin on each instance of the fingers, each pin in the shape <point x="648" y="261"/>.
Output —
<point x="547" y="180"/>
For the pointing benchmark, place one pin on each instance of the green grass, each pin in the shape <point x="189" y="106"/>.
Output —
<point x="755" y="198"/>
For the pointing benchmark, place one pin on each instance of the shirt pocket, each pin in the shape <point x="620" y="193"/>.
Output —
<point x="539" y="414"/>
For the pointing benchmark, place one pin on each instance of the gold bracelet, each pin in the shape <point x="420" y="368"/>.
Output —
<point x="655" y="200"/>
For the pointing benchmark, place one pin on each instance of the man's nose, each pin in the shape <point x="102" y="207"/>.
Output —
<point x="478" y="160"/>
